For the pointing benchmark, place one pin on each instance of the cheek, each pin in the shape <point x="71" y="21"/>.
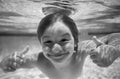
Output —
<point x="45" y="49"/>
<point x="69" y="47"/>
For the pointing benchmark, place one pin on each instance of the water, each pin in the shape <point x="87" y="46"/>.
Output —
<point x="90" y="70"/>
<point x="93" y="17"/>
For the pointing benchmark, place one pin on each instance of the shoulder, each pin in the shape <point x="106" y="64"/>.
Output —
<point x="43" y="61"/>
<point x="40" y="56"/>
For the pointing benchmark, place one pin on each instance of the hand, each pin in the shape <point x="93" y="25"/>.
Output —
<point x="103" y="55"/>
<point x="86" y="46"/>
<point x="13" y="61"/>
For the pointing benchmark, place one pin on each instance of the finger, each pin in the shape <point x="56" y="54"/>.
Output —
<point x="14" y="64"/>
<point x="25" y="50"/>
<point x="92" y="51"/>
<point x="14" y="56"/>
<point x="97" y="41"/>
<point x="22" y="61"/>
<point x="93" y="54"/>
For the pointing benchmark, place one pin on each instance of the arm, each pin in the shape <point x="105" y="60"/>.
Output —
<point x="29" y="61"/>
<point x="107" y="50"/>
<point x="18" y="60"/>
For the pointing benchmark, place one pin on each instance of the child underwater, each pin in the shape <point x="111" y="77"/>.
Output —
<point x="63" y="55"/>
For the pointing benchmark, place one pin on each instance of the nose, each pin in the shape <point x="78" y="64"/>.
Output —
<point x="56" y="48"/>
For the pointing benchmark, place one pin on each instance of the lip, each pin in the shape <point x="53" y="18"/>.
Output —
<point x="58" y="56"/>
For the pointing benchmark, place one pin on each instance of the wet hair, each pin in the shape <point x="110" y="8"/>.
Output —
<point x="50" y="19"/>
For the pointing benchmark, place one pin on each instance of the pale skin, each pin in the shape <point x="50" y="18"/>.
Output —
<point x="58" y="51"/>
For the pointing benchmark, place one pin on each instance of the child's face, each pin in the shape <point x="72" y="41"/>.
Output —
<point x="58" y="43"/>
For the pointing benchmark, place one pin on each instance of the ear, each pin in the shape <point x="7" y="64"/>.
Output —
<point x="75" y="45"/>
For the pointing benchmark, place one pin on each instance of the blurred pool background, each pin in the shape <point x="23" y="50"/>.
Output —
<point x="19" y="20"/>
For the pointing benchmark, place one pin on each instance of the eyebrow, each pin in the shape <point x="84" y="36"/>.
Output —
<point x="66" y="34"/>
<point x="44" y="37"/>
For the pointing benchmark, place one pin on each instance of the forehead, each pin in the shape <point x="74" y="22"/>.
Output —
<point x="57" y="28"/>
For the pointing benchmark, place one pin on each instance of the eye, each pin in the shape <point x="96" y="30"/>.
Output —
<point x="48" y="42"/>
<point x="64" y="40"/>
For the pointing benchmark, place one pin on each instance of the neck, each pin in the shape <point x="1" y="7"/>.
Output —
<point x="63" y="65"/>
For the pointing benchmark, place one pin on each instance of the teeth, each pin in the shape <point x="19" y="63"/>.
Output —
<point x="57" y="54"/>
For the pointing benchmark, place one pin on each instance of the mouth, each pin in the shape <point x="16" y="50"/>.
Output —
<point x="58" y="56"/>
